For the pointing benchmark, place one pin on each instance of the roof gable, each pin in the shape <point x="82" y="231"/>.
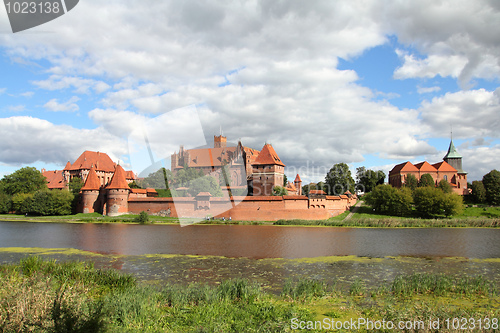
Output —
<point x="444" y="166"/>
<point x="403" y="167"/>
<point x="268" y="156"/>
<point x="297" y="179"/>
<point x="425" y="166"/>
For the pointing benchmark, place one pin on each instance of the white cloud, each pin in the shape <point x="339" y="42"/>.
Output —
<point x="27" y="94"/>
<point x="280" y="62"/>
<point x="472" y="113"/>
<point x="427" y="90"/>
<point x="27" y="140"/>
<point x="80" y="85"/>
<point x="69" y="106"/>
<point x="3" y="90"/>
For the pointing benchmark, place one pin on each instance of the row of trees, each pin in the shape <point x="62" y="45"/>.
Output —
<point x="487" y="190"/>
<point x="424" y="201"/>
<point x="25" y="191"/>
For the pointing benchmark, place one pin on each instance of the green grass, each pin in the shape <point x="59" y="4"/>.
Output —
<point x="45" y="296"/>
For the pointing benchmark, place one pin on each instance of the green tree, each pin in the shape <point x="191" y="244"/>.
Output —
<point x="5" y="203"/>
<point x="432" y="202"/>
<point x="285" y="181"/>
<point x="368" y="179"/>
<point x="134" y="184"/>
<point x="339" y="180"/>
<point x="204" y="184"/>
<point x="491" y="182"/>
<point x="279" y="191"/>
<point x="75" y="185"/>
<point x="47" y="203"/>
<point x="445" y="186"/>
<point x="411" y="181"/>
<point x="478" y="191"/>
<point x="157" y="180"/>
<point x="307" y="188"/>
<point x="24" y="180"/>
<point x="385" y="199"/>
<point x="21" y="201"/>
<point x="186" y="175"/>
<point x="426" y="180"/>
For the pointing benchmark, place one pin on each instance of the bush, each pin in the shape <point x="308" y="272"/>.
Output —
<point x="43" y="202"/>
<point x="386" y="199"/>
<point x="143" y="218"/>
<point x="432" y="202"/>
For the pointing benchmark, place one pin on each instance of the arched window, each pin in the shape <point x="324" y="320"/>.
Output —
<point x="446" y="177"/>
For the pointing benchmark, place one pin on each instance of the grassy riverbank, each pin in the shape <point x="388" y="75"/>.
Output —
<point x="475" y="217"/>
<point x="45" y="296"/>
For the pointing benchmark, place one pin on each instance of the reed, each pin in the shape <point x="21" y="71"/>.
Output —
<point x="304" y="289"/>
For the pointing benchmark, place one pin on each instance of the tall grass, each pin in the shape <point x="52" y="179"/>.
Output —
<point x="304" y="289"/>
<point x="439" y="285"/>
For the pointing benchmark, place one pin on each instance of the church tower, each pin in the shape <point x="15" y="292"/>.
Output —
<point x="454" y="159"/>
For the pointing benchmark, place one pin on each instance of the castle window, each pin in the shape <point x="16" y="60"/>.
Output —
<point x="446" y="177"/>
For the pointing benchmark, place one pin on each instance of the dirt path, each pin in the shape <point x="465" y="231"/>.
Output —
<point x="356" y="207"/>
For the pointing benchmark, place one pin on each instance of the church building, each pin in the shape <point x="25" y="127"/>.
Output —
<point x="450" y="169"/>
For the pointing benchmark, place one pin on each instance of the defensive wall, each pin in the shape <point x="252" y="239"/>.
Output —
<point x="262" y="208"/>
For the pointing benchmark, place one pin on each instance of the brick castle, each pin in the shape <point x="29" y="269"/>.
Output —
<point x="106" y="188"/>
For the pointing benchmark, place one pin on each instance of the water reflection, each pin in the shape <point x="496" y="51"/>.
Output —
<point x="253" y="241"/>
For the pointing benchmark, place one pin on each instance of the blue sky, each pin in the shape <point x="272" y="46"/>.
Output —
<point x="359" y="82"/>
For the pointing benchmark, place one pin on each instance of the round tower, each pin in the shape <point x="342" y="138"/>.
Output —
<point x="117" y="193"/>
<point x="298" y="184"/>
<point x="90" y="193"/>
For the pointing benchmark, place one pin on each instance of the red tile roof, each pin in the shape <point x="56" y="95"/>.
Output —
<point x="297" y="179"/>
<point x="92" y="183"/>
<point x="444" y="166"/>
<point x="130" y="175"/>
<point x="317" y="192"/>
<point x="100" y="161"/>
<point x="425" y="166"/>
<point x="118" y="181"/>
<point x="291" y="187"/>
<point x="268" y="156"/>
<point x="403" y="167"/>
<point x="55" y="179"/>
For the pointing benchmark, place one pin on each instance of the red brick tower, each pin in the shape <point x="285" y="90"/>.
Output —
<point x="90" y="193"/>
<point x="268" y="171"/>
<point x="118" y="191"/>
<point x="298" y="184"/>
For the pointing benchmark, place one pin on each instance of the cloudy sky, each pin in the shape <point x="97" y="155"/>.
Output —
<point x="368" y="83"/>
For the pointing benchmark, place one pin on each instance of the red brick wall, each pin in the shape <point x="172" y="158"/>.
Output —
<point x="262" y="208"/>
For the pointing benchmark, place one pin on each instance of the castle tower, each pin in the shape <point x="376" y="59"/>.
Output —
<point x="220" y="141"/>
<point x="118" y="191"/>
<point x="90" y="193"/>
<point x="298" y="184"/>
<point x="267" y="171"/>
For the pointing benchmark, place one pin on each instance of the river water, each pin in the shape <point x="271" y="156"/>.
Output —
<point x="254" y="241"/>
<point x="161" y="254"/>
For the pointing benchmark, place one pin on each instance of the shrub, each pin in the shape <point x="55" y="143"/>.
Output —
<point x="143" y="218"/>
<point x="432" y="202"/>
<point x="386" y="199"/>
<point x="478" y="192"/>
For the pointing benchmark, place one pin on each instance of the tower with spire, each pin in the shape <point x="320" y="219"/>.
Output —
<point x="454" y="159"/>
